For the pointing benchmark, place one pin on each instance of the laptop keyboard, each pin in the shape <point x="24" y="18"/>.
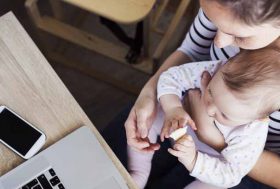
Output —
<point x="47" y="180"/>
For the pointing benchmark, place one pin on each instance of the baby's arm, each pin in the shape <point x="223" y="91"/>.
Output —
<point x="175" y="115"/>
<point x="179" y="79"/>
<point x="172" y="84"/>
<point x="245" y="145"/>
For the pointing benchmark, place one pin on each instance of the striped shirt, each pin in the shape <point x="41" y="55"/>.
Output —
<point x="199" y="46"/>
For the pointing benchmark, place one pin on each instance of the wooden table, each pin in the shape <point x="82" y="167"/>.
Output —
<point x="30" y="87"/>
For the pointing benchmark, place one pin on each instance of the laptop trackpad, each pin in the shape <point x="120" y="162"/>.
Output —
<point x="110" y="183"/>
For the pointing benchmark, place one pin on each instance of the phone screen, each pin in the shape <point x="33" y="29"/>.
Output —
<point x="17" y="133"/>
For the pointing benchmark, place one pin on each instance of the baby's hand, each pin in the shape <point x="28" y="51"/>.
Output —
<point x="175" y="118"/>
<point x="186" y="152"/>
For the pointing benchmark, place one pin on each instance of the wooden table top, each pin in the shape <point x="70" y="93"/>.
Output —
<point x="30" y="87"/>
<point x="122" y="11"/>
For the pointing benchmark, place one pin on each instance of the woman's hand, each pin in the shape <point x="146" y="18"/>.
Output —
<point x="143" y="113"/>
<point x="207" y="132"/>
<point x="139" y="122"/>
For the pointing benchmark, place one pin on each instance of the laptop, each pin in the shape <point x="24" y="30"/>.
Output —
<point x="77" y="161"/>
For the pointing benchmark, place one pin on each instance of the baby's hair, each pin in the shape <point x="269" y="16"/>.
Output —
<point x="257" y="69"/>
<point x="254" y="12"/>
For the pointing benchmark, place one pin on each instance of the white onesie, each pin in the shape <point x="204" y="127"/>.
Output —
<point x="245" y="143"/>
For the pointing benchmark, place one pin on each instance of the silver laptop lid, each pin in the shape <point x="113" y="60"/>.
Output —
<point x="78" y="160"/>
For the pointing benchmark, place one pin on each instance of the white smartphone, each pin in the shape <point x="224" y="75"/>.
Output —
<point x="19" y="135"/>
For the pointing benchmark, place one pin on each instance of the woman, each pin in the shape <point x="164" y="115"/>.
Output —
<point x="221" y="30"/>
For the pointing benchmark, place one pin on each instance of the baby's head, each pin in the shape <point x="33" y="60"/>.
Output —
<point x="245" y="89"/>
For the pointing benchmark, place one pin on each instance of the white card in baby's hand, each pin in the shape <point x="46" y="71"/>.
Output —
<point x="175" y="135"/>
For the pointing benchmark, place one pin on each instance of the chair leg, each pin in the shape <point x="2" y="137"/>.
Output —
<point x="170" y="31"/>
<point x="135" y="43"/>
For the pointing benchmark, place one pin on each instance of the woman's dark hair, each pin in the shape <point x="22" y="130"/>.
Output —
<point x="254" y="12"/>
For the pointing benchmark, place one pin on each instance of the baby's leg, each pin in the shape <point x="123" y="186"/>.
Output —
<point x="140" y="163"/>
<point x="200" y="185"/>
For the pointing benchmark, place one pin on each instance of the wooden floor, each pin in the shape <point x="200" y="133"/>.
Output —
<point x="100" y="100"/>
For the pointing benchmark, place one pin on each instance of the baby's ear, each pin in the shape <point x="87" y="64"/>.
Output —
<point x="205" y="79"/>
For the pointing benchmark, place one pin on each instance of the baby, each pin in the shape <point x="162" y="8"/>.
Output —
<point x="241" y="94"/>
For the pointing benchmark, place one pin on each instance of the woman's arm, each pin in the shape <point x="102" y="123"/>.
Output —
<point x="143" y="112"/>
<point x="175" y="59"/>
<point x="267" y="169"/>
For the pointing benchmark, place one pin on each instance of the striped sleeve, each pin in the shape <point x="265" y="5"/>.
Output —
<point x="273" y="137"/>
<point x="198" y="40"/>
<point x="223" y="53"/>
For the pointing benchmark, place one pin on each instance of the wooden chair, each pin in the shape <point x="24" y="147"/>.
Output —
<point x="149" y="64"/>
